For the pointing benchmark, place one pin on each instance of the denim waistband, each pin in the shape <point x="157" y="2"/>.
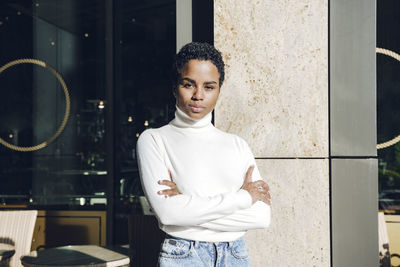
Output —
<point x="196" y="243"/>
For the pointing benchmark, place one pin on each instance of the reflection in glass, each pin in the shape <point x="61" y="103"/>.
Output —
<point x="145" y="45"/>
<point x="388" y="108"/>
<point x="69" y="36"/>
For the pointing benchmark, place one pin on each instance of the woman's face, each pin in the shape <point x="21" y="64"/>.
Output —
<point x="198" y="90"/>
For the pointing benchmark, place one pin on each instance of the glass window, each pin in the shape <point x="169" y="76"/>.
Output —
<point x="55" y="150"/>
<point x="388" y="97"/>
<point x="145" y="46"/>
<point x="67" y="35"/>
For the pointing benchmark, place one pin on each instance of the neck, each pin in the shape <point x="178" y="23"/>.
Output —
<point x="182" y="120"/>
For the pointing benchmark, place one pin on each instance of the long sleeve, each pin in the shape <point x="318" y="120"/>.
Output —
<point x="181" y="210"/>
<point x="256" y="217"/>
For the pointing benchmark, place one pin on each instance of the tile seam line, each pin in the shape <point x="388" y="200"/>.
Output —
<point x="291" y="157"/>
<point x="331" y="157"/>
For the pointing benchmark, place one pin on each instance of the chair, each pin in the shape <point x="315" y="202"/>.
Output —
<point x="384" y="254"/>
<point x="16" y="228"/>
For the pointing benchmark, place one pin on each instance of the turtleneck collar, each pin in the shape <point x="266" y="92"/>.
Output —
<point x="182" y="120"/>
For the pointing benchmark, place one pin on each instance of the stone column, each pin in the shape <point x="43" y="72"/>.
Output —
<point x="277" y="96"/>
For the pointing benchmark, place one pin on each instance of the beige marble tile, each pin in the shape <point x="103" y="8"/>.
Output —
<point x="299" y="233"/>
<point x="276" y="90"/>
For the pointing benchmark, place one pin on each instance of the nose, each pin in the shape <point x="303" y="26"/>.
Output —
<point x="198" y="94"/>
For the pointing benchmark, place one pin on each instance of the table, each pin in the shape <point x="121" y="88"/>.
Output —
<point x="6" y="251"/>
<point x="85" y="255"/>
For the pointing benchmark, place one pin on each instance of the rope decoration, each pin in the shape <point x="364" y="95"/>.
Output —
<point x="67" y="104"/>
<point x="397" y="57"/>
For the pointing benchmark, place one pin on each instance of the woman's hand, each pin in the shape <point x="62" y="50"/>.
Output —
<point x="173" y="191"/>
<point x="259" y="190"/>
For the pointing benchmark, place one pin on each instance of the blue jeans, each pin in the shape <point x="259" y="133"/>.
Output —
<point x="177" y="252"/>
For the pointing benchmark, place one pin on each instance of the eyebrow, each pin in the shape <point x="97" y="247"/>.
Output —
<point x="193" y="81"/>
<point x="211" y="82"/>
<point x="189" y="80"/>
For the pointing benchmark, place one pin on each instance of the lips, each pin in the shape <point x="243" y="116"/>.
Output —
<point x="196" y="108"/>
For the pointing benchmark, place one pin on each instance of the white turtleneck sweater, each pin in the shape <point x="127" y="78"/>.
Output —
<point x="209" y="168"/>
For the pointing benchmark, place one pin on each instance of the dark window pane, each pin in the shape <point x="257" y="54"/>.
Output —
<point x="388" y="110"/>
<point x="145" y="45"/>
<point x="68" y="35"/>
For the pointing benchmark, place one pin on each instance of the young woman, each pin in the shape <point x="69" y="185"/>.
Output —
<point x="202" y="183"/>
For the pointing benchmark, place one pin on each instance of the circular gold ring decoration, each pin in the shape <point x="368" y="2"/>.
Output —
<point x="397" y="57"/>
<point x="67" y="104"/>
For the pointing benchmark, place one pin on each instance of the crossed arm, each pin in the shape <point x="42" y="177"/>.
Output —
<point x="257" y="216"/>
<point x="248" y="208"/>
<point x="258" y="190"/>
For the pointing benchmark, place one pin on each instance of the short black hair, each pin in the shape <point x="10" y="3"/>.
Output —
<point x="199" y="51"/>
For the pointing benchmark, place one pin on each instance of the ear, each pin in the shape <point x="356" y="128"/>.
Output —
<point x="174" y="92"/>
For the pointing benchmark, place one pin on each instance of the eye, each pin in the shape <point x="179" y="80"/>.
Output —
<point x="208" y="87"/>
<point x="187" y="85"/>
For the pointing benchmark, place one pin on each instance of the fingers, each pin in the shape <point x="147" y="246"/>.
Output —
<point x="249" y="173"/>
<point x="168" y="192"/>
<point x="266" y="198"/>
<point x="173" y="191"/>
<point x="260" y="189"/>
<point x="167" y="183"/>
<point x="267" y="201"/>
<point x="261" y="184"/>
